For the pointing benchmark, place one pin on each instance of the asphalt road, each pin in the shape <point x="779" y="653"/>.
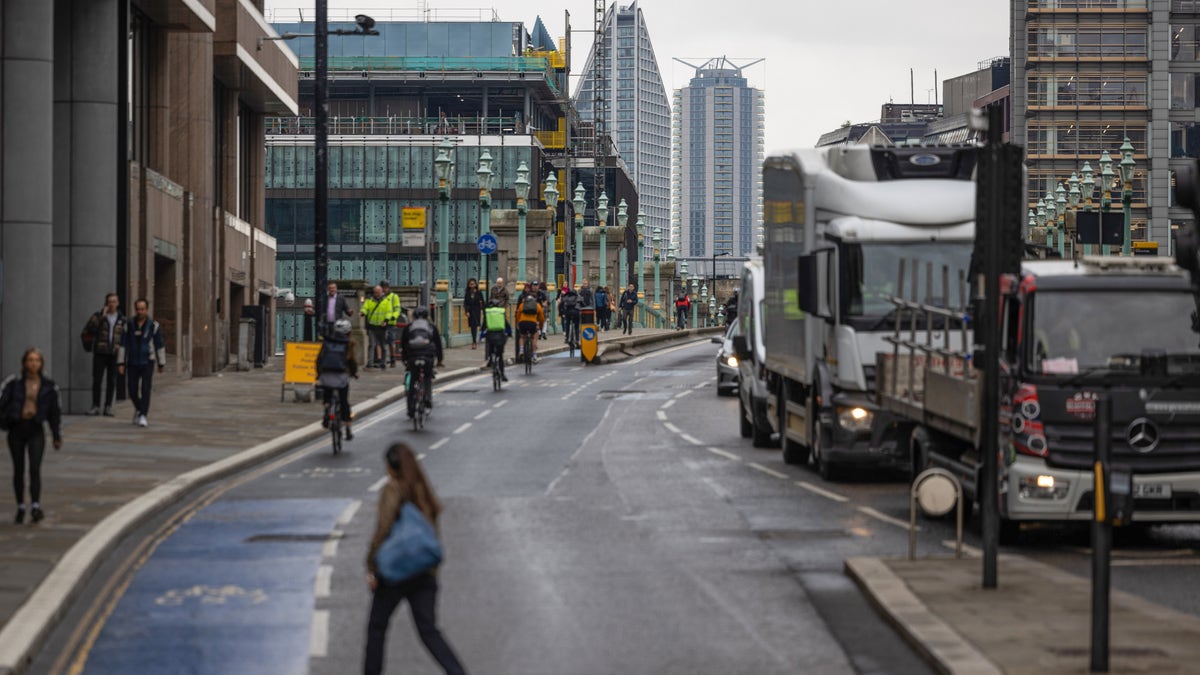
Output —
<point x="598" y="520"/>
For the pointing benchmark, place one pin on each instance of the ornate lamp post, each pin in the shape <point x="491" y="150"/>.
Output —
<point x="1031" y="223"/>
<point x="443" y="166"/>
<point x="695" y="296"/>
<point x="1051" y="210"/>
<point x="550" y="194"/>
<point x="1106" y="181"/>
<point x="580" y="205"/>
<point x="1040" y="214"/>
<point x="1127" y="165"/>
<point x="704" y="299"/>
<point x="641" y="246"/>
<point x="522" y="189"/>
<point x="712" y="306"/>
<point x="1060" y="208"/>
<point x="656" y="241"/>
<point x="622" y="220"/>
<point x="485" y="176"/>
<point x="602" y="214"/>
<point x="1073" y="196"/>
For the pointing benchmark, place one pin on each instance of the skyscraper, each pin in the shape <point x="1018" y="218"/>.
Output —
<point x="717" y="149"/>
<point x="638" y="116"/>
<point x="1087" y="75"/>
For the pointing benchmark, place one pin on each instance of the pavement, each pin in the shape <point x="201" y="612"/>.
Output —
<point x="111" y="476"/>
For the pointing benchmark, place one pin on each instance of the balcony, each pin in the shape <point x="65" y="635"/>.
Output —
<point x="264" y="71"/>
<point x="192" y="16"/>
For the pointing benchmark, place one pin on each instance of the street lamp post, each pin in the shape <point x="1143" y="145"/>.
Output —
<point x="622" y="220"/>
<point x="1051" y="211"/>
<point x="443" y="166"/>
<point x="641" y="246"/>
<point x="522" y="189"/>
<point x="580" y="205"/>
<point x="716" y="255"/>
<point x="712" y="306"/>
<point x="1073" y="196"/>
<point x="704" y="300"/>
<point x="1127" y="165"/>
<point x="602" y="214"/>
<point x="656" y="241"/>
<point x="695" y="296"/>
<point x="485" y="176"/>
<point x="1060" y="203"/>
<point x="1106" y="181"/>
<point x="550" y="194"/>
<point x="1040" y="215"/>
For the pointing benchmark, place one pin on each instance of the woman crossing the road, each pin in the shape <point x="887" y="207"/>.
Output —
<point x="28" y="401"/>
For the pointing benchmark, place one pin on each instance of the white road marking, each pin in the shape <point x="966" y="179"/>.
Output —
<point x="726" y="455"/>
<point x="672" y="428"/>
<point x="690" y="439"/>
<point x="683" y="393"/>
<point x="318" y="637"/>
<point x="329" y="550"/>
<point x="883" y="517"/>
<point x="768" y="471"/>
<point x="968" y="550"/>
<point x="464" y="427"/>
<point x="324" y="583"/>
<point x="420" y="457"/>
<point x="378" y="485"/>
<point x="483" y="414"/>
<point x="661" y="415"/>
<point x="721" y="492"/>
<point x="816" y="489"/>
<point x="501" y="404"/>
<point x="348" y="512"/>
<point x="668" y="404"/>
<point x="701" y="385"/>
<point x="440" y="443"/>
<point x="1155" y="562"/>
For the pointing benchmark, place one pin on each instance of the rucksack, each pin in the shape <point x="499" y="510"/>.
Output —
<point x="569" y="301"/>
<point x="530" y="305"/>
<point x="333" y="357"/>
<point x="420" y="334"/>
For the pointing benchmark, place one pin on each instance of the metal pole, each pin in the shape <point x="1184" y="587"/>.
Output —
<point x="1126" y="205"/>
<point x="444" y="260"/>
<point x="1101" y="536"/>
<point x="657" y="294"/>
<point x="992" y="187"/>
<point x="321" y="147"/>
<point x="485" y="223"/>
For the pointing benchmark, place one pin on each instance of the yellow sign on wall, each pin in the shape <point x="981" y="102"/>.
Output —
<point x="300" y="362"/>
<point x="412" y="218"/>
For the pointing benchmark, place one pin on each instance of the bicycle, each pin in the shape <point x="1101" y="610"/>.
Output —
<point x="527" y="348"/>
<point x="572" y="337"/>
<point x="333" y="413"/>
<point x="416" y="387"/>
<point x="497" y="375"/>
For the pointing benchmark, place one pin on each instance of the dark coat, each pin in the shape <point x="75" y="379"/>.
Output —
<point x="97" y="325"/>
<point x="340" y="309"/>
<point x="49" y="404"/>
<point x="473" y="306"/>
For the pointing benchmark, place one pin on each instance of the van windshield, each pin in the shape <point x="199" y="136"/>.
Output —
<point x="870" y="272"/>
<point x="1078" y="331"/>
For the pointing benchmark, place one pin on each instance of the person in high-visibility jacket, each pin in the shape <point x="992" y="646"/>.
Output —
<point x="378" y="313"/>
<point x="496" y="330"/>
<point x="395" y="311"/>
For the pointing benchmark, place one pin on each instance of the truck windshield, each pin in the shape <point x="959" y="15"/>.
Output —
<point x="1081" y="331"/>
<point x="871" y="270"/>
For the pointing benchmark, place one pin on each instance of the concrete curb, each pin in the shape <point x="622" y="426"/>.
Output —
<point x="29" y="627"/>
<point x="939" y="644"/>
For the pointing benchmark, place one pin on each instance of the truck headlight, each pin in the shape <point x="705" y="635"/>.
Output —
<point x="855" y="418"/>
<point x="1044" y="487"/>
<point x="731" y="361"/>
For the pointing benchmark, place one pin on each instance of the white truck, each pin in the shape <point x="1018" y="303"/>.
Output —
<point x="817" y="309"/>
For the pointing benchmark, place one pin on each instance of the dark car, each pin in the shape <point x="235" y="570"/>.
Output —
<point x="727" y="363"/>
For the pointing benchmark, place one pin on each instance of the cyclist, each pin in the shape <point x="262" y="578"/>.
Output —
<point x="568" y="308"/>
<point x="496" y="330"/>
<point x="421" y="339"/>
<point x="335" y="366"/>
<point x="682" y="305"/>
<point x="530" y="315"/>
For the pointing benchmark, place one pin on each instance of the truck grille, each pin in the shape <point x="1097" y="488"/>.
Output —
<point x="1178" y="449"/>
<point x="1180" y="501"/>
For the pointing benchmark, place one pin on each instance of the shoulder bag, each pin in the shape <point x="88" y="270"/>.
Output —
<point x="412" y="547"/>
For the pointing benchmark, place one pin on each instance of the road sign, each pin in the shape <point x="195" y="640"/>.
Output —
<point x="412" y="226"/>
<point x="486" y="243"/>
<point x="588" y="342"/>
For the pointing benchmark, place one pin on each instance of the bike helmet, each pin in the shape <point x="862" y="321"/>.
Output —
<point x="421" y="313"/>
<point x="341" y="327"/>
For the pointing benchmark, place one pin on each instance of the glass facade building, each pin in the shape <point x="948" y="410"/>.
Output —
<point x="716" y="155"/>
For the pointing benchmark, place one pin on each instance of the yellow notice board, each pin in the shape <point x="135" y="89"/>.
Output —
<point x="300" y="362"/>
<point x="412" y="218"/>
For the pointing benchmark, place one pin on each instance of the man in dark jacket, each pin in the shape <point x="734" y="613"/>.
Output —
<point x="332" y="307"/>
<point x="107" y="331"/>
<point x="141" y="351"/>
<point x="629" y="300"/>
<point x="421" y="340"/>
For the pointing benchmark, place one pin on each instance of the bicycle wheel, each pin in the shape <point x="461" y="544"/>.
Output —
<point x="418" y="396"/>
<point x="528" y="354"/>
<point x="496" y="382"/>
<point x="335" y="423"/>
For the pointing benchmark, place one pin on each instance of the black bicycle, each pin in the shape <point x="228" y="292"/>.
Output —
<point x="572" y="337"/>
<point x="497" y="373"/>
<point x="333" y="414"/>
<point x="416" y="388"/>
<point x="527" y="349"/>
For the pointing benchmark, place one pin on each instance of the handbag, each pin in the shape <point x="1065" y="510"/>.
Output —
<point x="412" y="547"/>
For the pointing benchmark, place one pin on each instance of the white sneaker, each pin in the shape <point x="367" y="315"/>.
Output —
<point x="142" y="422"/>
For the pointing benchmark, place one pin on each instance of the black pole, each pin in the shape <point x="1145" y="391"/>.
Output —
<point x="321" y="147"/>
<point x="988" y="225"/>
<point x="122" y="288"/>
<point x="1101" y="535"/>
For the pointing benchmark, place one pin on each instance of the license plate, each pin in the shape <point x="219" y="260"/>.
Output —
<point x="1152" y="490"/>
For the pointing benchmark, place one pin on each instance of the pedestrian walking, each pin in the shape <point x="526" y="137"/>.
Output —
<point x="499" y="292"/>
<point x="602" y="313"/>
<point x="473" y="305"/>
<point x="629" y="301"/>
<point x="28" y="400"/>
<point x="140" y="352"/>
<point x="102" y="336"/>
<point x="333" y="307"/>
<point x="587" y="299"/>
<point x="407" y="483"/>
<point x="395" y="311"/>
<point x="377" y="313"/>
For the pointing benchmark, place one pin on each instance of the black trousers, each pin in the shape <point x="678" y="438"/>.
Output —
<point x="681" y="317"/>
<point x="421" y="593"/>
<point x="140" y="378"/>
<point x="627" y="321"/>
<point x="495" y="348"/>
<point x="104" y="367"/>
<point x="27" y="436"/>
<point x="343" y="400"/>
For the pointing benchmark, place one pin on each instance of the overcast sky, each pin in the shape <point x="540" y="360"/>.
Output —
<point x="826" y="61"/>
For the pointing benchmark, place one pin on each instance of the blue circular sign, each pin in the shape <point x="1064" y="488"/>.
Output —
<point x="589" y="333"/>
<point x="486" y="243"/>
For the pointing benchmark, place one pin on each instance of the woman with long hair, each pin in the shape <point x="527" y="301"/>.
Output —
<point x="473" y="306"/>
<point x="28" y="400"/>
<point x="407" y="484"/>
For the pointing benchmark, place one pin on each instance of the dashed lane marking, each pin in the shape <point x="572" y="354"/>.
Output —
<point x="324" y="583"/>
<point x="500" y="404"/>
<point x="668" y="404"/>
<point x="766" y="470"/>
<point x="818" y="490"/>
<point x="329" y="550"/>
<point x="885" y="518"/>
<point x="723" y="453"/>
<point x="661" y="415"/>
<point x="690" y="439"/>
<point x="683" y="393"/>
<point x="483" y="414"/>
<point x="378" y="485"/>
<point x="672" y="428"/>
<point x="464" y="427"/>
<point x="348" y="513"/>
<point x="318" y="638"/>
<point x="700" y="386"/>
<point x="440" y="443"/>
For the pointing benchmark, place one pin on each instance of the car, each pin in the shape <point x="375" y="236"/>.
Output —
<point x="727" y="363"/>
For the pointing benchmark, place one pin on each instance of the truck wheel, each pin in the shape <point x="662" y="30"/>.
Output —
<point x="761" y="433"/>
<point x="744" y="427"/>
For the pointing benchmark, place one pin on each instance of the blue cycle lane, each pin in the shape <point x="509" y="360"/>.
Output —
<point x="232" y="590"/>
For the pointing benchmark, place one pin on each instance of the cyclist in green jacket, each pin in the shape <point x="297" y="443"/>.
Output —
<point x="496" y="330"/>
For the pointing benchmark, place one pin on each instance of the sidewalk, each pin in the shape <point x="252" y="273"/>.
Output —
<point x="1037" y="621"/>
<point x="111" y="475"/>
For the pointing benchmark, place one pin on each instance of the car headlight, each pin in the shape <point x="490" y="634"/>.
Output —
<point x="855" y="418"/>
<point x="731" y="361"/>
